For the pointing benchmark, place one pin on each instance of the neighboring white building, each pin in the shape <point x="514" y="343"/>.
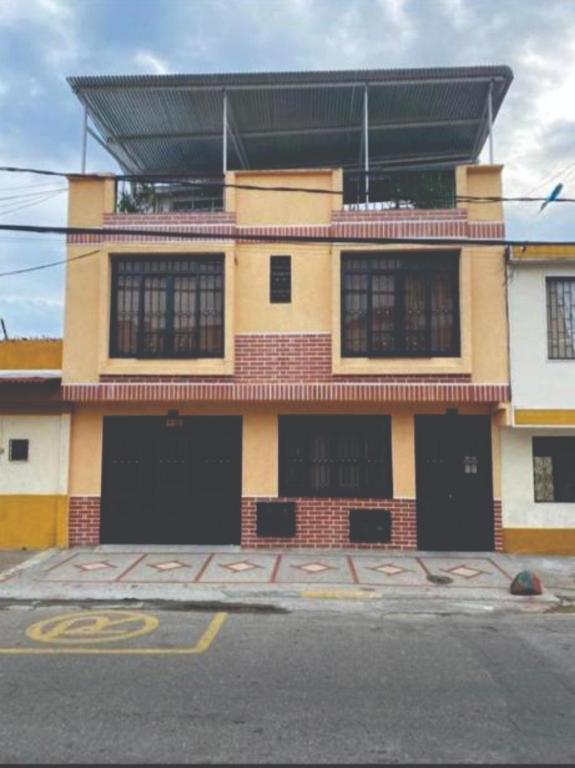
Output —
<point x="538" y="451"/>
<point x="34" y="445"/>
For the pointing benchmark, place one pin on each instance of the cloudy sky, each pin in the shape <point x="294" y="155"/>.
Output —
<point x="43" y="41"/>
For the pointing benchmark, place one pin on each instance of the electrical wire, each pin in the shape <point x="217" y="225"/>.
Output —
<point x="202" y="182"/>
<point x="293" y="239"/>
<point x="29" y="204"/>
<point x="39" y="267"/>
<point x="32" y="194"/>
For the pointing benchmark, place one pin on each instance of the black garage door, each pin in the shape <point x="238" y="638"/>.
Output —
<point x="171" y="484"/>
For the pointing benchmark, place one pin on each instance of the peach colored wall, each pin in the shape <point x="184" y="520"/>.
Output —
<point x="260" y="208"/>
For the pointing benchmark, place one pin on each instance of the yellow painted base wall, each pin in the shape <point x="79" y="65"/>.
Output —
<point x="539" y="541"/>
<point x="33" y="522"/>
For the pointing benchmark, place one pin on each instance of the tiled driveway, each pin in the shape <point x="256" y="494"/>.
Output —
<point x="182" y="566"/>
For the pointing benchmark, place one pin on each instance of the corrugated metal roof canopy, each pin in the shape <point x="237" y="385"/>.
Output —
<point x="174" y="123"/>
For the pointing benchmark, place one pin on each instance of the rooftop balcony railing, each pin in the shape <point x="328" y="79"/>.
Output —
<point x="383" y="190"/>
<point x="169" y="196"/>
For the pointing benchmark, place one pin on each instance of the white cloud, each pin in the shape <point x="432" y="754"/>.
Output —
<point x="151" y="63"/>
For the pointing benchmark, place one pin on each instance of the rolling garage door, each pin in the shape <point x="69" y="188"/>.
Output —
<point x="175" y="482"/>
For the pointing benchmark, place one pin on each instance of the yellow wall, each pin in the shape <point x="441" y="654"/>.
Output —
<point x="489" y="315"/>
<point x="256" y="207"/>
<point x="539" y="541"/>
<point x="316" y="282"/>
<point x="310" y="308"/>
<point x="481" y="181"/>
<point x="31" y="354"/>
<point x="33" y="522"/>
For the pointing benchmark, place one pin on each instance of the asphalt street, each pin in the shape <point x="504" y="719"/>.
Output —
<point x="151" y="686"/>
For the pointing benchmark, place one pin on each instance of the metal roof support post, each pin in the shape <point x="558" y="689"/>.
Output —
<point x="490" y="120"/>
<point x="366" y="140"/>
<point x="84" y="140"/>
<point x="225" y="135"/>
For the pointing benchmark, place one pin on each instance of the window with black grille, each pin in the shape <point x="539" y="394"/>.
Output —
<point x="561" y="318"/>
<point x="554" y="468"/>
<point x="167" y="306"/>
<point x="400" y="305"/>
<point x="335" y="456"/>
<point x="280" y="279"/>
<point x="18" y="450"/>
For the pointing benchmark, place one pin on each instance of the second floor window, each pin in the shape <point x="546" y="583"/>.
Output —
<point x="167" y="306"/>
<point x="400" y="304"/>
<point x="561" y="318"/>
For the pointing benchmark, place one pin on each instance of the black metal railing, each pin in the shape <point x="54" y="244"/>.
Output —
<point x="400" y="189"/>
<point x="167" y="196"/>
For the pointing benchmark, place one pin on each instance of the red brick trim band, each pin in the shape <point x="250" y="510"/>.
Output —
<point x="399" y="214"/>
<point x="324" y="523"/>
<point x="285" y="357"/>
<point x="84" y="521"/>
<point x="376" y="392"/>
<point x="498" y="525"/>
<point x="321" y="523"/>
<point x="377" y="224"/>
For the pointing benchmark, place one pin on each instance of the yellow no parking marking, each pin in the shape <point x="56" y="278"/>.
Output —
<point x="73" y="632"/>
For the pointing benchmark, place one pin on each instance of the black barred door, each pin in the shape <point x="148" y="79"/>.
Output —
<point x="454" y="483"/>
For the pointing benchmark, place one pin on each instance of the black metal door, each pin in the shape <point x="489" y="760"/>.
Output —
<point x="171" y="484"/>
<point x="454" y="483"/>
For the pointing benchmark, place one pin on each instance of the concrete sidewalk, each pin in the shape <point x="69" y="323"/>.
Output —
<point x="384" y="580"/>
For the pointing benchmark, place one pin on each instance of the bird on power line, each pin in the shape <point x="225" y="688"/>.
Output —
<point x="551" y="197"/>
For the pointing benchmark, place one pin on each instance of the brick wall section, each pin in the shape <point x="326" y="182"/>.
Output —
<point x="498" y="525"/>
<point x="286" y="357"/>
<point x="321" y="523"/>
<point x="450" y="223"/>
<point x="324" y="523"/>
<point x="84" y="521"/>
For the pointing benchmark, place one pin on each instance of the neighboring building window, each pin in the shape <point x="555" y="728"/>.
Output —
<point x="561" y="318"/>
<point x="554" y="468"/>
<point x="167" y="306"/>
<point x="335" y="456"/>
<point x="400" y="305"/>
<point x="18" y="450"/>
<point x="280" y="279"/>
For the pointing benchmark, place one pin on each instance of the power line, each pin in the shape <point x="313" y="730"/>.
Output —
<point x="551" y="177"/>
<point x="38" y="267"/>
<point x="252" y="236"/>
<point x="202" y="182"/>
<point x="38" y="193"/>
<point x="293" y="239"/>
<point x="29" y="204"/>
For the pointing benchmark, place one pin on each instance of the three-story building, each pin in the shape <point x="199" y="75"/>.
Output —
<point x="287" y="373"/>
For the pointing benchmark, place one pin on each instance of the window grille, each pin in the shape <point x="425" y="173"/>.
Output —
<point x="335" y="456"/>
<point x="167" y="307"/>
<point x="280" y="279"/>
<point x="396" y="305"/>
<point x="561" y="318"/>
